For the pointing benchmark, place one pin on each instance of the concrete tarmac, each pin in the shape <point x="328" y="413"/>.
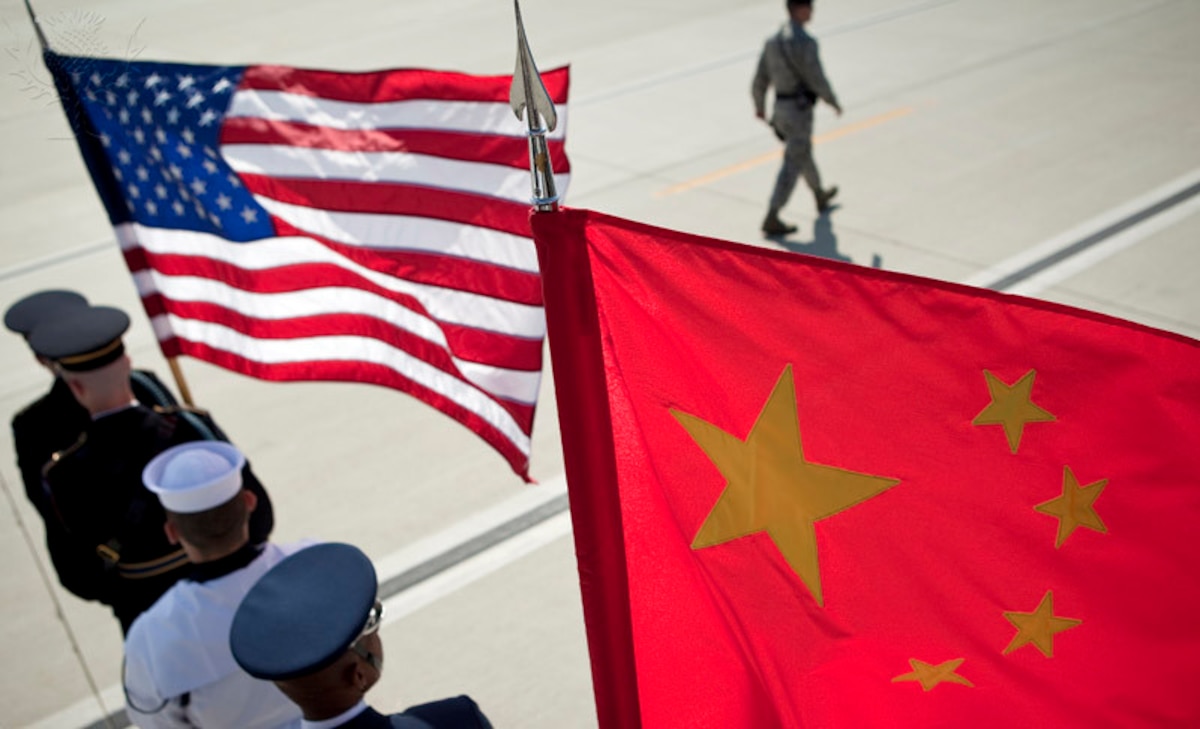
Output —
<point x="1056" y="143"/>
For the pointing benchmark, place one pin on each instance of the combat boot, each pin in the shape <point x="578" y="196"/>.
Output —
<point x="825" y="197"/>
<point x="774" y="226"/>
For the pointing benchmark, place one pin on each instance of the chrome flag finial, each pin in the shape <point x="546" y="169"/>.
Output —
<point x="530" y="101"/>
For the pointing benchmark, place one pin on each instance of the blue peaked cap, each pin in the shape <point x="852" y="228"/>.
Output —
<point x="304" y="613"/>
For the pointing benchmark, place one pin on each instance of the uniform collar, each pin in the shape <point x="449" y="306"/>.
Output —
<point x="206" y="571"/>
<point x="114" y="411"/>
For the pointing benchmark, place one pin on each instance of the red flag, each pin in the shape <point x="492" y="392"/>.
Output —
<point x="810" y="494"/>
<point x="294" y="224"/>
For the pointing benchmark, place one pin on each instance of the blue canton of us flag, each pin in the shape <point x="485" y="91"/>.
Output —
<point x="152" y="130"/>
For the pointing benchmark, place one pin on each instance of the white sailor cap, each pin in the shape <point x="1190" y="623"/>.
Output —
<point x="196" y="476"/>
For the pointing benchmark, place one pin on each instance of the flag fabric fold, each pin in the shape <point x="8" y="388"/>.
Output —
<point x="294" y="224"/>
<point x="810" y="494"/>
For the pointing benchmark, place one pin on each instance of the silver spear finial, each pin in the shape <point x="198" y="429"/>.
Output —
<point x="531" y="102"/>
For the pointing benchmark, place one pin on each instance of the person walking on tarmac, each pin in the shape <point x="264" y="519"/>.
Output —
<point x="790" y="63"/>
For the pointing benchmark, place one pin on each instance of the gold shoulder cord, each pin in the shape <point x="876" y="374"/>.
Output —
<point x="59" y="455"/>
<point x="180" y="409"/>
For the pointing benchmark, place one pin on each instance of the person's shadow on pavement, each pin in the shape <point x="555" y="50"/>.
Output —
<point x="823" y="243"/>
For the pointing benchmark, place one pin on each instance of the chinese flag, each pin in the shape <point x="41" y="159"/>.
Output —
<point x="809" y="494"/>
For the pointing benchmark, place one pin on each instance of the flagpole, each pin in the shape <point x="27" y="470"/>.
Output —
<point x="528" y="94"/>
<point x="595" y="512"/>
<point x="185" y="393"/>
<point x="37" y="27"/>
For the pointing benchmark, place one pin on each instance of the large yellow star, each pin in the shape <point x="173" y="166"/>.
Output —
<point x="930" y="675"/>
<point x="770" y="487"/>
<point x="1011" y="407"/>
<point x="1074" y="508"/>
<point x="1039" y="627"/>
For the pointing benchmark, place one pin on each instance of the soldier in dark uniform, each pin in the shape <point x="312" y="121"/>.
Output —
<point x="55" y="420"/>
<point x="104" y="530"/>
<point x="310" y="624"/>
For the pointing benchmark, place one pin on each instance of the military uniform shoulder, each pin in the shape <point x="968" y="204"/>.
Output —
<point x="169" y="614"/>
<point x="180" y="409"/>
<point x="28" y="413"/>
<point x="150" y="390"/>
<point x="118" y="436"/>
<point x="197" y="419"/>
<point x="406" y="721"/>
<point x="147" y="375"/>
<point x="55" y="403"/>
<point x="124" y="427"/>
<point x="64" y="455"/>
<point x="458" y="711"/>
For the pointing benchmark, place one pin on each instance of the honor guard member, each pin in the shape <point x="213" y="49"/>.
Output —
<point x="104" y="530"/>
<point x="311" y="625"/>
<point x="179" y="671"/>
<point x="790" y="63"/>
<point x="55" y="420"/>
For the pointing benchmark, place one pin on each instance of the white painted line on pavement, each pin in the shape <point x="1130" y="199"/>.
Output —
<point x="423" y="550"/>
<point x="86" y="712"/>
<point x="70" y="254"/>
<point x="481" y="565"/>
<point x="1109" y="247"/>
<point x="1137" y="219"/>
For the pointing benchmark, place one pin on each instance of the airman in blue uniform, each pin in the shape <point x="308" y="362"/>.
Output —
<point x="311" y="625"/>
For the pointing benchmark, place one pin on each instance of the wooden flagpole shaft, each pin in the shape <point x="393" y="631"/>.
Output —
<point x="180" y="383"/>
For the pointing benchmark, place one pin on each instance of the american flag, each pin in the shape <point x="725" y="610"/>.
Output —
<point x="295" y="224"/>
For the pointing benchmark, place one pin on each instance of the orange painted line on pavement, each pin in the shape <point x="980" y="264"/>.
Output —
<point x="772" y="156"/>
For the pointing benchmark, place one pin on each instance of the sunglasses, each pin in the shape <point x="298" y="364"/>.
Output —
<point x="374" y="620"/>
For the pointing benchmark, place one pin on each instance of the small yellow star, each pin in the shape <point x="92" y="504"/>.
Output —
<point x="771" y="487"/>
<point x="1011" y="407"/>
<point x="1039" y="627"/>
<point x="1074" y="508"/>
<point x="930" y="675"/>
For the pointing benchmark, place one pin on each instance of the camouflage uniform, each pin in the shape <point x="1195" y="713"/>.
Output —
<point x="790" y="63"/>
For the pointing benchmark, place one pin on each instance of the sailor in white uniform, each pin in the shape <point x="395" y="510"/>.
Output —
<point x="179" y="671"/>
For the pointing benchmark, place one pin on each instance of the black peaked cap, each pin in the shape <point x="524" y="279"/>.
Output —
<point x="43" y="306"/>
<point x="83" y="339"/>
